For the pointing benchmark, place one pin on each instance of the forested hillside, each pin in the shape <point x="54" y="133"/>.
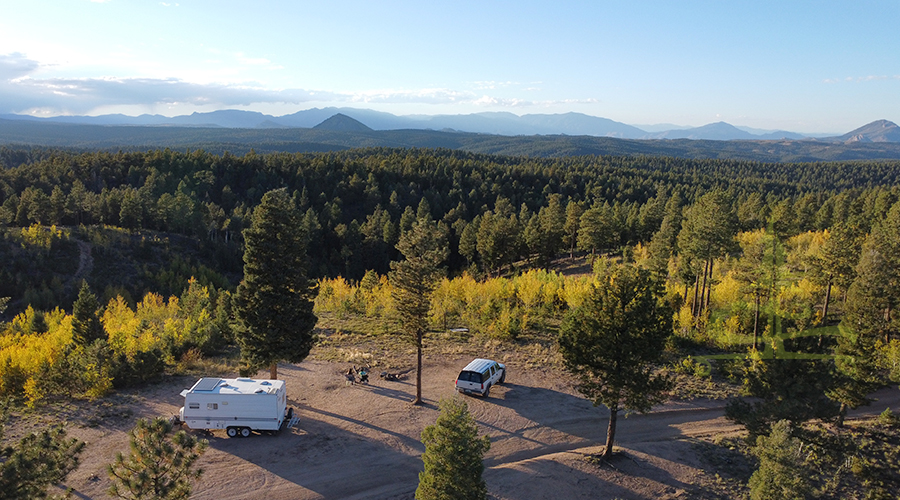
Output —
<point x="500" y="210"/>
<point x="785" y="277"/>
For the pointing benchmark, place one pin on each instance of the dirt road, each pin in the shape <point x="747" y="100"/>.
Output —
<point x="362" y="441"/>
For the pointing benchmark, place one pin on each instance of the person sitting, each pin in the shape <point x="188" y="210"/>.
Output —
<point x="351" y="377"/>
<point x="363" y="376"/>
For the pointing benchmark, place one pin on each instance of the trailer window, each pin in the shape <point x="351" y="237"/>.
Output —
<point x="194" y="406"/>
<point x="212" y="406"/>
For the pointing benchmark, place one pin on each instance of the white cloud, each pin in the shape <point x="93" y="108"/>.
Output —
<point x="16" y="65"/>
<point x="25" y="93"/>
<point x="868" y="78"/>
<point x="80" y="96"/>
<point x="420" y="96"/>
<point x="252" y="61"/>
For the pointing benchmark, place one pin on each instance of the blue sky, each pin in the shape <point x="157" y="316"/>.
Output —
<point x="816" y="66"/>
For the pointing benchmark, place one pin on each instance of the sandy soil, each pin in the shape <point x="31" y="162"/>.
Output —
<point x="362" y="441"/>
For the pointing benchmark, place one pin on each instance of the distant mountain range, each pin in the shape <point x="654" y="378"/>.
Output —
<point x="506" y="124"/>
<point x="340" y="132"/>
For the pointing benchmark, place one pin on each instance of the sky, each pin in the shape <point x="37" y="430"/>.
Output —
<point x="804" y="66"/>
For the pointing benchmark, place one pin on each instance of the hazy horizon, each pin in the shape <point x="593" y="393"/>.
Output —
<point x="809" y="67"/>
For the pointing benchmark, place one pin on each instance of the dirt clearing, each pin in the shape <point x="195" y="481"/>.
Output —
<point x="362" y="441"/>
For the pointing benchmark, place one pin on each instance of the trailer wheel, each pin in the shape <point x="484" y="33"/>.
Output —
<point x="231" y="431"/>
<point x="245" y="432"/>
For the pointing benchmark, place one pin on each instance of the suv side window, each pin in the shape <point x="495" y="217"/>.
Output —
<point x="492" y="371"/>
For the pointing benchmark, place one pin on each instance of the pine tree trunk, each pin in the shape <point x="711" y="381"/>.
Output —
<point x="825" y="310"/>
<point x="756" y="323"/>
<point x="841" y="415"/>
<point x="273" y="371"/>
<point x="694" y="311"/>
<point x="418" y="399"/>
<point x="709" y="285"/>
<point x="611" y="431"/>
<point x="887" y="320"/>
<point x="702" y="290"/>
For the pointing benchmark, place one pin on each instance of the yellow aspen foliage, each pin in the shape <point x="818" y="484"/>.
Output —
<point x="889" y="358"/>
<point x="796" y="302"/>
<point x="802" y="247"/>
<point x="575" y="290"/>
<point x="153" y="324"/>
<point x="337" y="296"/>
<point x="39" y="236"/>
<point x="641" y="253"/>
<point x="23" y="354"/>
<point x="727" y="291"/>
<point x="684" y="318"/>
<point x="447" y="303"/>
<point x="121" y="325"/>
<point x="379" y="300"/>
<point x="750" y="238"/>
<point x="529" y="287"/>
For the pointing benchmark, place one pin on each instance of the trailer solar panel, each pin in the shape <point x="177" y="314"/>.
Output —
<point x="206" y="384"/>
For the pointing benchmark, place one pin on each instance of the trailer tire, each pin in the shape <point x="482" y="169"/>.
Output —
<point x="245" y="432"/>
<point x="231" y="431"/>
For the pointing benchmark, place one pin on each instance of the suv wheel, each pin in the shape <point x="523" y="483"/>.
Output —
<point x="503" y="377"/>
<point x="487" y="391"/>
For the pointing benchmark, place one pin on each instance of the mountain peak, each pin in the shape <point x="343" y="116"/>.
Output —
<point x="877" y="131"/>
<point x="342" y="123"/>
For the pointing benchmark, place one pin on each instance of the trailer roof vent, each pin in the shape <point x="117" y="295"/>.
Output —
<point x="265" y="382"/>
<point x="259" y="391"/>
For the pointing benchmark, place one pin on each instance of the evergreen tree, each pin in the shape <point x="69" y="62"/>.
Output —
<point x="612" y="341"/>
<point x="454" y="456"/>
<point x="707" y="232"/>
<point x="37" y="461"/>
<point x="160" y="464"/>
<point x="868" y="319"/>
<point x="498" y="240"/>
<point x="783" y="389"/>
<point x="552" y="224"/>
<point x="836" y="262"/>
<point x="857" y="371"/>
<point x="782" y="473"/>
<point x="424" y="247"/>
<point x="86" y="326"/>
<point x="275" y="299"/>
<point x="574" y="211"/>
<point x="468" y="241"/>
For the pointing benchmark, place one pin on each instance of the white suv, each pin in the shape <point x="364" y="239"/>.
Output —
<point x="479" y="376"/>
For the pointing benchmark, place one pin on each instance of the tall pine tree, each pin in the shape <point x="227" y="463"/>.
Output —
<point x="274" y="301"/>
<point x="612" y="341"/>
<point x="424" y="247"/>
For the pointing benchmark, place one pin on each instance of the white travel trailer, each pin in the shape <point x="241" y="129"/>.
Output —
<point x="238" y="405"/>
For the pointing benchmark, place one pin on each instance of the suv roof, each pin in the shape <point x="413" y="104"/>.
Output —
<point x="478" y="365"/>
